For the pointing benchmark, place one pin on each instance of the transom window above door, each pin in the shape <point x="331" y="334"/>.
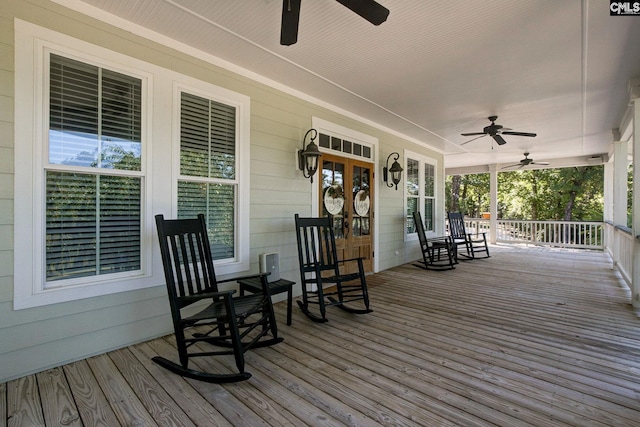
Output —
<point x="339" y="145"/>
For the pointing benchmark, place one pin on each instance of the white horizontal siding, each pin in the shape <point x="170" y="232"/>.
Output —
<point x="39" y="338"/>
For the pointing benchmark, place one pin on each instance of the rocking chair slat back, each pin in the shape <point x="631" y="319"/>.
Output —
<point x="456" y="225"/>
<point x="316" y="245"/>
<point x="417" y="221"/>
<point x="190" y="255"/>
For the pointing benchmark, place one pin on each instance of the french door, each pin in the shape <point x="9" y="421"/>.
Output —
<point x="346" y="196"/>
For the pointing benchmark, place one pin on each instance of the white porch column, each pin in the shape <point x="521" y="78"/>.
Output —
<point x="493" y="203"/>
<point x="620" y="168"/>
<point x="635" y="274"/>
<point x="608" y="191"/>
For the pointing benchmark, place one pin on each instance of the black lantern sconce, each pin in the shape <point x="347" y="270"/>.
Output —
<point x="308" y="157"/>
<point x="395" y="170"/>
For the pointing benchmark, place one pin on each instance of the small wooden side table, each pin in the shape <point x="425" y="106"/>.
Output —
<point x="253" y="285"/>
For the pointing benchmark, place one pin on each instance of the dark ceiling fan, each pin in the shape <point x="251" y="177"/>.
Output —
<point x="496" y="132"/>
<point x="526" y="162"/>
<point x="368" y="9"/>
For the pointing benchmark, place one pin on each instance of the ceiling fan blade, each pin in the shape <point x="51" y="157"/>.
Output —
<point x="473" y="133"/>
<point x="512" y="166"/>
<point x="368" y="9"/>
<point x="290" y="20"/>
<point x="500" y="140"/>
<point x="540" y="163"/>
<point x="520" y="133"/>
<point x="473" y="138"/>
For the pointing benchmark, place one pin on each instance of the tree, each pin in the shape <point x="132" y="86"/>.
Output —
<point x="468" y="194"/>
<point x="454" y="203"/>
<point x="553" y="194"/>
<point x="543" y="194"/>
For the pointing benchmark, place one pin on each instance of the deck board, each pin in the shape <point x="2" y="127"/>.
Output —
<point x="90" y="400"/>
<point x="530" y="336"/>
<point x="58" y="407"/>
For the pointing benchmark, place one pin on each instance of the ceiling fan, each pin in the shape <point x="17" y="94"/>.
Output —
<point x="368" y="9"/>
<point x="496" y="132"/>
<point x="526" y="162"/>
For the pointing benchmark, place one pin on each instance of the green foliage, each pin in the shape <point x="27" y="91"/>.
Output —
<point x="472" y="195"/>
<point x="575" y="193"/>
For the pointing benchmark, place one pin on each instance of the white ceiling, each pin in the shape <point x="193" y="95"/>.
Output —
<point x="434" y="69"/>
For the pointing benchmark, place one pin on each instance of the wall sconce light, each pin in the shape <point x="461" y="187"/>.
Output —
<point x="308" y="158"/>
<point x="395" y="170"/>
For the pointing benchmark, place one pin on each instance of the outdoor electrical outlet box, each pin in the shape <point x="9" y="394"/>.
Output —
<point x="270" y="263"/>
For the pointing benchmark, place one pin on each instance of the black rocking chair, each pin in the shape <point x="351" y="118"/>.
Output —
<point x="234" y="325"/>
<point x="437" y="253"/>
<point x="473" y="244"/>
<point x="324" y="273"/>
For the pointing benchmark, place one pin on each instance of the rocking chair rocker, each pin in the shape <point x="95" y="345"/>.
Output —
<point x="233" y="324"/>
<point x="320" y="267"/>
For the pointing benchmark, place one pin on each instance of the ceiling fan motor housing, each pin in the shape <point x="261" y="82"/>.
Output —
<point x="492" y="130"/>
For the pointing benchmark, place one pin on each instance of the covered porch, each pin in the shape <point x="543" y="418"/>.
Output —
<point x="531" y="336"/>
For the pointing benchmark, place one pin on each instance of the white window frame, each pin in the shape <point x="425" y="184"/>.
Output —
<point x="159" y="144"/>
<point x="422" y="161"/>
<point x="242" y="103"/>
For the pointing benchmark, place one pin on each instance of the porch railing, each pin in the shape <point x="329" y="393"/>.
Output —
<point x="620" y="247"/>
<point x="565" y="234"/>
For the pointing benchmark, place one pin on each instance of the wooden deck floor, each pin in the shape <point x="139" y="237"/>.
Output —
<point x="527" y="337"/>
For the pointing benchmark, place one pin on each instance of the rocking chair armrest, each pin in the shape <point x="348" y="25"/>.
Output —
<point x="440" y="239"/>
<point x="483" y="234"/>
<point x="359" y="260"/>
<point x="250" y="276"/>
<point x="197" y="297"/>
<point x="350" y="259"/>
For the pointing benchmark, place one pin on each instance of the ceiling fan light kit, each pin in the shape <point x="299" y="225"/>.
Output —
<point x="368" y="9"/>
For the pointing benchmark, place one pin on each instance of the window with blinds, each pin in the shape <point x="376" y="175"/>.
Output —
<point x="93" y="183"/>
<point x="429" y="196"/>
<point x="419" y="192"/>
<point x="207" y="182"/>
<point x="412" y="191"/>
